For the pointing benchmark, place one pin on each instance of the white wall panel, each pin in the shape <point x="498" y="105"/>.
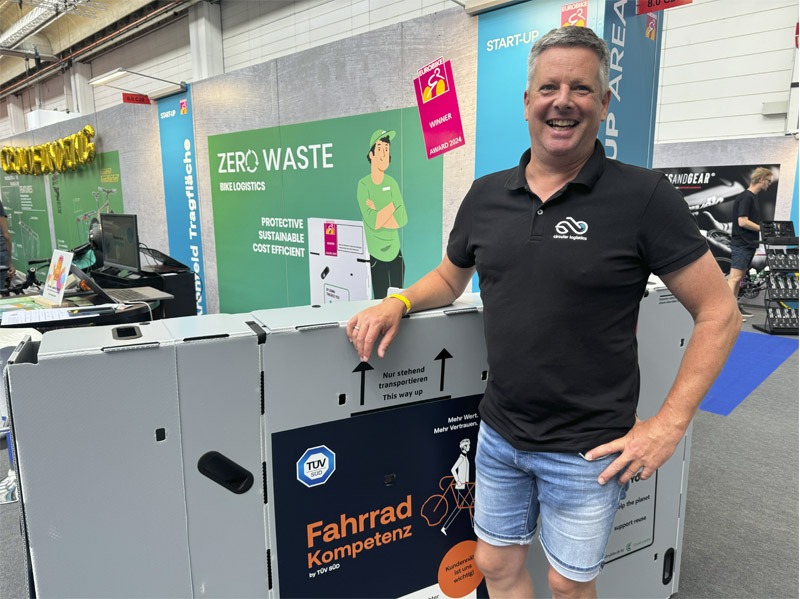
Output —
<point x="707" y="11"/>
<point x="720" y="61"/>
<point x="705" y="109"/>
<point x="734" y="68"/>
<point x="724" y="91"/>
<point x="699" y="52"/>
<point x="759" y="19"/>
<point x="726" y="127"/>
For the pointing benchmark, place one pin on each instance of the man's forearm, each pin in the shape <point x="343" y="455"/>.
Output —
<point x="746" y="223"/>
<point x="434" y="290"/>
<point x="706" y="354"/>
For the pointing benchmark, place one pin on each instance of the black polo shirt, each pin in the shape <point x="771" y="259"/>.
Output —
<point x="746" y="204"/>
<point x="561" y="283"/>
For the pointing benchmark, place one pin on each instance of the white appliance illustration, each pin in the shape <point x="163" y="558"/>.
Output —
<point x="338" y="261"/>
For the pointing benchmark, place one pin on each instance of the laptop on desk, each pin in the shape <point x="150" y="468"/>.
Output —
<point x="123" y="295"/>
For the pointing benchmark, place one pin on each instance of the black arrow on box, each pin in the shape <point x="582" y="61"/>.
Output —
<point x="363" y="367"/>
<point x="443" y="356"/>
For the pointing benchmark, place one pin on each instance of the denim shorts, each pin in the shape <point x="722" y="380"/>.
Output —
<point x="741" y="256"/>
<point x="514" y="488"/>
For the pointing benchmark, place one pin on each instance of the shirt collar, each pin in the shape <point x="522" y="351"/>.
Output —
<point x="587" y="176"/>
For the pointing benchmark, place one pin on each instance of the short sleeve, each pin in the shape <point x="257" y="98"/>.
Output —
<point x="744" y="205"/>
<point x="669" y="238"/>
<point x="459" y="250"/>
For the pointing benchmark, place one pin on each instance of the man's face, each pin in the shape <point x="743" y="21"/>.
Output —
<point x="465" y="447"/>
<point x="764" y="185"/>
<point x="380" y="156"/>
<point x="564" y="107"/>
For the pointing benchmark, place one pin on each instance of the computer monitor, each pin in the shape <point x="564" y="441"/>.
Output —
<point x="120" y="241"/>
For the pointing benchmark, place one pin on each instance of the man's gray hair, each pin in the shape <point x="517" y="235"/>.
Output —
<point x="572" y="37"/>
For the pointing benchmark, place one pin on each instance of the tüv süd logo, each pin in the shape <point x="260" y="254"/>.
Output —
<point x="316" y="466"/>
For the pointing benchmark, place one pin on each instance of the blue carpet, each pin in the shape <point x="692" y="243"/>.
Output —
<point x="753" y="359"/>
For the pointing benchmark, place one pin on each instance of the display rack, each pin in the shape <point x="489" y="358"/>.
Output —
<point x="780" y="243"/>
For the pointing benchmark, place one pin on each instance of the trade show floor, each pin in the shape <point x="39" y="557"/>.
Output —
<point x="741" y="534"/>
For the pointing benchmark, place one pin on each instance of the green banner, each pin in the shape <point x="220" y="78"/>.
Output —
<point x="78" y="197"/>
<point x="296" y="218"/>
<point x="25" y="205"/>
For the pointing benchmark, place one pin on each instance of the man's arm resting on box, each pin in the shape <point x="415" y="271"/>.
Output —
<point x="440" y="287"/>
<point x="702" y="290"/>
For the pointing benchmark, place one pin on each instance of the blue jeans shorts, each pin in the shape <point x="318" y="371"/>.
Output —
<point x="514" y="488"/>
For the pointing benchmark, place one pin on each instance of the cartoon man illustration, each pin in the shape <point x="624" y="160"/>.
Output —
<point x="384" y="212"/>
<point x="460" y="472"/>
<point x="58" y="275"/>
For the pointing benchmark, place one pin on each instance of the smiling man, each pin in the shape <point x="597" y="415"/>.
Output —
<point x="563" y="244"/>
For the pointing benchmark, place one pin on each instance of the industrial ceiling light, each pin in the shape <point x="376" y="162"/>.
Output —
<point x="119" y="72"/>
<point x="106" y="78"/>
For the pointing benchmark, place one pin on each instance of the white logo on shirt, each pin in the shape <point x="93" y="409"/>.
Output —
<point x="570" y="228"/>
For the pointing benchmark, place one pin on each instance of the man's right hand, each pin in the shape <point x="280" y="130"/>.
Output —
<point x="377" y="322"/>
<point x="440" y="287"/>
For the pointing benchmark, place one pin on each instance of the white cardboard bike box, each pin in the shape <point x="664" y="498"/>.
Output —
<point x="111" y="426"/>
<point x="139" y="451"/>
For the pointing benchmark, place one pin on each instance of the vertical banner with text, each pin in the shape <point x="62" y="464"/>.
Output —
<point x="176" y="127"/>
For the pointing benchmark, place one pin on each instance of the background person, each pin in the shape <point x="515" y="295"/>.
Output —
<point x="564" y="244"/>
<point x="746" y="230"/>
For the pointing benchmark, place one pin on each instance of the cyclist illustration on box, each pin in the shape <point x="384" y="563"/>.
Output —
<point x="384" y="212"/>
<point x="459" y="486"/>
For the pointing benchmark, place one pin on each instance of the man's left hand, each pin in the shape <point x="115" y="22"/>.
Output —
<point x="643" y="450"/>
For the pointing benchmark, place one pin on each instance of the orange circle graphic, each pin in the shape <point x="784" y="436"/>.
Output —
<point x="458" y="574"/>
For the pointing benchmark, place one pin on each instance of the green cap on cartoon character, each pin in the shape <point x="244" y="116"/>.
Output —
<point x="380" y="134"/>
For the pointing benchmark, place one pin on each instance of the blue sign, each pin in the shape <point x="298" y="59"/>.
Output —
<point x="505" y="37"/>
<point x="628" y="131"/>
<point x="176" y="128"/>
<point x="316" y="466"/>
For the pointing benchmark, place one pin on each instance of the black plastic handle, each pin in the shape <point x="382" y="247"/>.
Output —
<point x="225" y="472"/>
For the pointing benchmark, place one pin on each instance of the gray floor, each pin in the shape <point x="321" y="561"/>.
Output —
<point x="741" y="535"/>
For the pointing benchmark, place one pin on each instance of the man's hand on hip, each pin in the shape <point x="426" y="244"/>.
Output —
<point x="643" y="450"/>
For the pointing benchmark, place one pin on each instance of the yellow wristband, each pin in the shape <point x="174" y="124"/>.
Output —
<point x="403" y="299"/>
